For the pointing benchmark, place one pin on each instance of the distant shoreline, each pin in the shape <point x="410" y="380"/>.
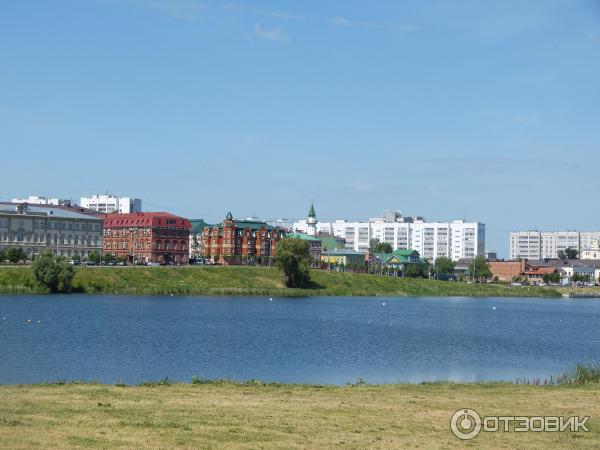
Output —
<point x="254" y="281"/>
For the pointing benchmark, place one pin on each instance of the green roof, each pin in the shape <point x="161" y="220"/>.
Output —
<point x="302" y="236"/>
<point x="344" y="252"/>
<point x="252" y="224"/>
<point x="400" y="255"/>
<point x="311" y="213"/>
<point x="198" y="225"/>
<point x="229" y="216"/>
<point x="330" y="243"/>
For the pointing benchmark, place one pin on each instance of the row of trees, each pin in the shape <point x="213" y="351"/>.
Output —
<point x="13" y="255"/>
<point x="294" y="260"/>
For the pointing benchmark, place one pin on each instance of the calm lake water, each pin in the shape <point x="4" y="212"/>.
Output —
<point x="313" y="340"/>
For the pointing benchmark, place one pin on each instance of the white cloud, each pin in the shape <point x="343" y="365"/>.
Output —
<point x="340" y="21"/>
<point x="527" y="119"/>
<point x="360" y="186"/>
<point x="240" y="8"/>
<point x="273" y="34"/>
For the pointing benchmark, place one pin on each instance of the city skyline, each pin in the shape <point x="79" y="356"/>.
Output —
<point x="467" y="110"/>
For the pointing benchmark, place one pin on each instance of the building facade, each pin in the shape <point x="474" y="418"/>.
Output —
<point x="592" y="252"/>
<point x="236" y="241"/>
<point x="38" y="228"/>
<point x="196" y="246"/>
<point x="455" y="240"/>
<point x="535" y="244"/>
<point x="343" y="258"/>
<point x="147" y="237"/>
<point x="108" y="204"/>
<point x="36" y="200"/>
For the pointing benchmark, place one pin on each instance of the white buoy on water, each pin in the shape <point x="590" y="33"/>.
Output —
<point x="494" y="308"/>
<point x="383" y="304"/>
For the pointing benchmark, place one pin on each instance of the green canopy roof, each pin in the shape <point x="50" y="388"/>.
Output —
<point x="198" y="225"/>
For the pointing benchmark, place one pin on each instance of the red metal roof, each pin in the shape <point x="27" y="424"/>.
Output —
<point x="145" y="219"/>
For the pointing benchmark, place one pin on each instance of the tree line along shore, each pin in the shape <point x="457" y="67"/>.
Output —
<point x="248" y="280"/>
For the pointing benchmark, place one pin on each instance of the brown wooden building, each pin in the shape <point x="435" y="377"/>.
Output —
<point x="144" y="237"/>
<point x="236" y="241"/>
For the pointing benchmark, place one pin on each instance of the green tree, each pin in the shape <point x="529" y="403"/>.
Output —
<point x="417" y="270"/>
<point x="94" y="257"/>
<point x="443" y="265"/>
<point x="294" y="260"/>
<point x="568" y="253"/>
<point x="3" y="256"/>
<point x="580" y="278"/>
<point x="376" y="246"/>
<point x="14" y="255"/>
<point x="551" y="277"/>
<point x="108" y="258"/>
<point x="479" y="268"/>
<point x="53" y="273"/>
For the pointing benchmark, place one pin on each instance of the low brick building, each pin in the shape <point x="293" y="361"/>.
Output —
<point x="144" y="237"/>
<point x="238" y="241"/>
<point x="507" y="270"/>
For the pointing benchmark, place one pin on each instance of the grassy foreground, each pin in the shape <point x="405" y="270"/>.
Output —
<point x="227" y="415"/>
<point x="238" y="280"/>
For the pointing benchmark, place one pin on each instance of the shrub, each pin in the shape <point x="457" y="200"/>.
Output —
<point x="53" y="273"/>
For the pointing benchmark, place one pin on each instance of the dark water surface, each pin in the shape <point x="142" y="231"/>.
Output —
<point x="313" y="340"/>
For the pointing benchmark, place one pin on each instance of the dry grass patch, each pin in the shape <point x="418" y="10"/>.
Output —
<point x="227" y="415"/>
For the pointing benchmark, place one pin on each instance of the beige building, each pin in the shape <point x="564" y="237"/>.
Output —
<point x="593" y="252"/>
<point x="37" y="228"/>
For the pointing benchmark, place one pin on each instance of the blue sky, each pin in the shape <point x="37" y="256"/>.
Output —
<point x="479" y="109"/>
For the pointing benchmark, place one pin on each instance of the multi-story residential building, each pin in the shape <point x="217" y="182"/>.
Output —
<point x="147" y="237"/>
<point x="236" y="241"/>
<point x="37" y="228"/>
<point x="457" y="239"/>
<point x="535" y="244"/>
<point x="108" y="204"/>
<point x="36" y="200"/>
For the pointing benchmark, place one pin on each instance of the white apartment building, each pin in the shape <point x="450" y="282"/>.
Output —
<point x="457" y="239"/>
<point x="36" y="200"/>
<point x="535" y="244"/>
<point x="106" y="203"/>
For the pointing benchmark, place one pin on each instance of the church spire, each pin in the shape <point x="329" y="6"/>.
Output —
<point x="311" y="213"/>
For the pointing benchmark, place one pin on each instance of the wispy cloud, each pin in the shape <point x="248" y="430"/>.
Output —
<point x="360" y="186"/>
<point x="244" y="9"/>
<point x="340" y="21"/>
<point x="527" y="119"/>
<point x="494" y="163"/>
<point x="177" y="9"/>
<point x="244" y="148"/>
<point x="593" y="37"/>
<point x="273" y="34"/>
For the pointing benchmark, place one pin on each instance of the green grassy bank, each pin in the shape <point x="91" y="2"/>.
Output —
<point x="238" y="280"/>
<point x="251" y="415"/>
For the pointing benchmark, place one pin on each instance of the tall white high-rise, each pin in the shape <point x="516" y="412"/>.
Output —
<point x="456" y="239"/>
<point x="106" y="203"/>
